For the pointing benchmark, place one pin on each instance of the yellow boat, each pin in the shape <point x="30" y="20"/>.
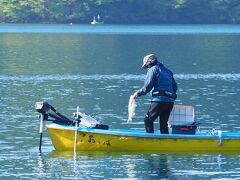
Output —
<point x="67" y="136"/>
<point x="89" y="139"/>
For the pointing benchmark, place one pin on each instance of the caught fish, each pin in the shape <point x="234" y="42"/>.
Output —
<point x="131" y="108"/>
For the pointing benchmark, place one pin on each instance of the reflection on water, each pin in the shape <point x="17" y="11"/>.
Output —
<point x="137" y="165"/>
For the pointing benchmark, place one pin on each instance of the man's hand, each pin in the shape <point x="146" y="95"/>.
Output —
<point x="135" y="96"/>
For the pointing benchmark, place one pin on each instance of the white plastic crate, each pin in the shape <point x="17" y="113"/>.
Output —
<point x="181" y="115"/>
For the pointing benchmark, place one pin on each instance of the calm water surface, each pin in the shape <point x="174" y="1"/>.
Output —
<point x="97" y="68"/>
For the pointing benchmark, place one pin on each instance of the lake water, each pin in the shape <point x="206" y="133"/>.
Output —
<point x="97" y="68"/>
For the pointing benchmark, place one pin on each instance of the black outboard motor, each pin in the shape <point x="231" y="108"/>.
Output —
<point x="47" y="111"/>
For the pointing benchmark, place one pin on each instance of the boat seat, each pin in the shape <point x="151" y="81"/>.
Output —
<point x="181" y="115"/>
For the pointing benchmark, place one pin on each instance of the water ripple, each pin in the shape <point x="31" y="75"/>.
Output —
<point x="213" y="76"/>
<point x="58" y="77"/>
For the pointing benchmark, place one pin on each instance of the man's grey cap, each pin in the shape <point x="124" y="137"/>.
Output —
<point x="148" y="59"/>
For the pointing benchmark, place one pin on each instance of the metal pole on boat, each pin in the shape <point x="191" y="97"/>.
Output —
<point x="76" y="127"/>
<point x="41" y="131"/>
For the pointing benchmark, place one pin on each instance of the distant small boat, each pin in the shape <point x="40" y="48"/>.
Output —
<point x="97" y="21"/>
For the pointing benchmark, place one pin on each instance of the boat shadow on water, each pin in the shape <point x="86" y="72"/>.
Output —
<point x="103" y="154"/>
<point x="161" y="164"/>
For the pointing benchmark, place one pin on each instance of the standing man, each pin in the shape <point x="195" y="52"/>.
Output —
<point x="160" y="80"/>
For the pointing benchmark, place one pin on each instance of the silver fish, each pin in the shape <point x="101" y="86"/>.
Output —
<point x="131" y="108"/>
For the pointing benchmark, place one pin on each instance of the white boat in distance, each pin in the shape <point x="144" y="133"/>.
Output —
<point x="97" y="21"/>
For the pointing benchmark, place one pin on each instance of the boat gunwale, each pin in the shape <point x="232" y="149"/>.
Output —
<point x="143" y="134"/>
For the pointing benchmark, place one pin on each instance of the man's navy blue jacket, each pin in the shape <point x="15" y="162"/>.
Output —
<point x="159" y="79"/>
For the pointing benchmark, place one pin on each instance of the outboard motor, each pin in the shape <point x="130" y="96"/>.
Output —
<point x="47" y="112"/>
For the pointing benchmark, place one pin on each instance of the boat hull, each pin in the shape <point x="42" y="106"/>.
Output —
<point x="122" y="140"/>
